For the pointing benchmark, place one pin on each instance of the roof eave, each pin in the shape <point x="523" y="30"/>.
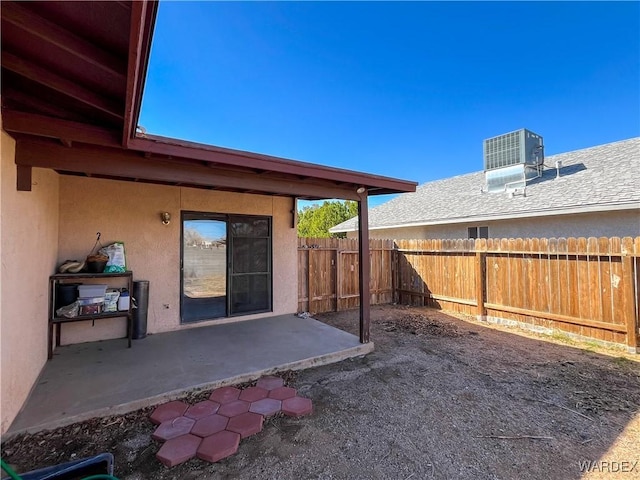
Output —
<point x="374" y="184"/>
<point x="487" y="218"/>
<point x="143" y="18"/>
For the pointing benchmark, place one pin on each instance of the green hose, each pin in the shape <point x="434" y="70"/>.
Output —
<point x="15" y="476"/>
<point x="9" y="470"/>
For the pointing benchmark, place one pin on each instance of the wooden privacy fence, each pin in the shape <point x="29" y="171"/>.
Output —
<point x="328" y="273"/>
<point x="582" y="286"/>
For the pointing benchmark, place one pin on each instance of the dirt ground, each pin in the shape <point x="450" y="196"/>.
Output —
<point x="440" y="397"/>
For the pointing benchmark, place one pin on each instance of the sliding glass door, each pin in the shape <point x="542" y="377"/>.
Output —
<point x="250" y="269"/>
<point x="226" y="265"/>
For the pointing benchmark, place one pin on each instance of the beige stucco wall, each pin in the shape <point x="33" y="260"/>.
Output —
<point x="130" y="212"/>
<point x="28" y="245"/>
<point x="624" y="223"/>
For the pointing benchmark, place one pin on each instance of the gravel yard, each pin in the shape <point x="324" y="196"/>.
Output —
<point x="440" y="397"/>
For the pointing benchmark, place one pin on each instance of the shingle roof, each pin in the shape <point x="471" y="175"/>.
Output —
<point x="601" y="178"/>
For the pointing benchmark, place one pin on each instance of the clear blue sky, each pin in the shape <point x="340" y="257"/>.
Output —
<point x="403" y="89"/>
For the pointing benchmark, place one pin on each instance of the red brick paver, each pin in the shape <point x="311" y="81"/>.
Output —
<point x="202" y="409"/>
<point x="218" y="446"/>
<point x="168" y="411"/>
<point x="282" y="393"/>
<point x="225" y="395"/>
<point x="246" y="424"/>
<point x="253" y="394"/>
<point x="270" y="382"/>
<point x="178" y="450"/>
<point x="296" y="407"/>
<point x="234" y="408"/>
<point x="209" y="425"/>
<point x="266" y="406"/>
<point x="173" y="428"/>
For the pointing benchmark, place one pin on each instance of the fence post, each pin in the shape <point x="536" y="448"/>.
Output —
<point x="481" y="285"/>
<point x="394" y="273"/>
<point x="630" y="313"/>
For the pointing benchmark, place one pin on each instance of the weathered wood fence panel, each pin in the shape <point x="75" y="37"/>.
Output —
<point x="437" y="273"/>
<point x="328" y="273"/>
<point x="583" y="286"/>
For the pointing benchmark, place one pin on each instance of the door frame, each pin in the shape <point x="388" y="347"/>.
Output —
<point x="227" y="218"/>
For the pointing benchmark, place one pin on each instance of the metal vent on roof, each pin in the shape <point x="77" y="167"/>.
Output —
<point x="511" y="159"/>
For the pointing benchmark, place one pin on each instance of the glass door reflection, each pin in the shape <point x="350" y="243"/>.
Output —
<point x="204" y="267"/>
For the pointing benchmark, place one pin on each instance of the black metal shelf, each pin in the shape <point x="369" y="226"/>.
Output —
<point x="68" y="276"/>
<point x="55" y="322"/>
<point x="95" y="316"/>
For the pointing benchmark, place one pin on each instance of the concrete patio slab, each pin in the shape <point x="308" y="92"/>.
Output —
<point x="106" y="378"/>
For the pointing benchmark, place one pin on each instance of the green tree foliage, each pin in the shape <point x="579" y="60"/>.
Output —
<point x="315" y="221"/>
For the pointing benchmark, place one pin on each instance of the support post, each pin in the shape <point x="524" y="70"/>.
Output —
<point x="364" y="264"/>
<point x="309" y="281"/>
<point x="338" y="276"/>
<point x="294" y="213"/>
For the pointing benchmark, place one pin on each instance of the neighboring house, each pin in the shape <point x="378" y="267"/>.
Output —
<point x="72" y="164"/>
<point x="596" y="194"/>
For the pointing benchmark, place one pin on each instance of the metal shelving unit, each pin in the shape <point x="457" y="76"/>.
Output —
<point x="56" y="322"/>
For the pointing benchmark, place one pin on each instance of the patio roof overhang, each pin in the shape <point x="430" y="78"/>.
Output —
<point x="73" y="75"/>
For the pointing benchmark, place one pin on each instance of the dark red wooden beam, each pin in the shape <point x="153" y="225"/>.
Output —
<point x="51" y="33"/>
<point x="60" y="84"/>
<point x="143" y="15"/>
<point x="16" y="100"/>
<point x="41" y="125"/>
<point x="255" y="161"/>
<point x="128" y="165"/>
<point x="364" y="268"/>
<point x="23" y="183"/>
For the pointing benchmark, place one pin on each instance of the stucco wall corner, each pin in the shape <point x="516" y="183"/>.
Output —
<point x="28" y="246"/>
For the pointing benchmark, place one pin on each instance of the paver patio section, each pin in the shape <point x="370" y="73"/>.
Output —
<point x="216" y="429"/>
<point x="106" y="378"/>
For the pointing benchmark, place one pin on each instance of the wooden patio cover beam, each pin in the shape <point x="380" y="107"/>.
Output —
<point x="128" y="165"/>
<point x="44" y="126"/>
<point x="225" y="156"/>
<point x="53" y="34"/>
<point x="60" y="84"/>
<point x="143" y="16"/>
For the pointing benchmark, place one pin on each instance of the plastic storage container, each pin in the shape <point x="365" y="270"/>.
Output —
<point x="123" y="301"/>
<point x="90" y="300"/>
<point x="87" y="291"/>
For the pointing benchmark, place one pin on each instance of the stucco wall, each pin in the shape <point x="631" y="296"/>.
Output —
<point x="28" y="244"/>
<point x="130" y="212"/>
<point x="625" y="223"/>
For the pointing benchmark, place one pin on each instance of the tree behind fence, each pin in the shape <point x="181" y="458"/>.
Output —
<point x="581" y="286"/>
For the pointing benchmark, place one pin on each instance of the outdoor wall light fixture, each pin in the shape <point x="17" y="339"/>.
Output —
<point x="166" y="218"/>
<point x="361" y="190"/>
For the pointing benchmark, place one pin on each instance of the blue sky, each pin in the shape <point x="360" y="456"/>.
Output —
<point x="403" y="89"/>
<point x="209" y="229"/>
